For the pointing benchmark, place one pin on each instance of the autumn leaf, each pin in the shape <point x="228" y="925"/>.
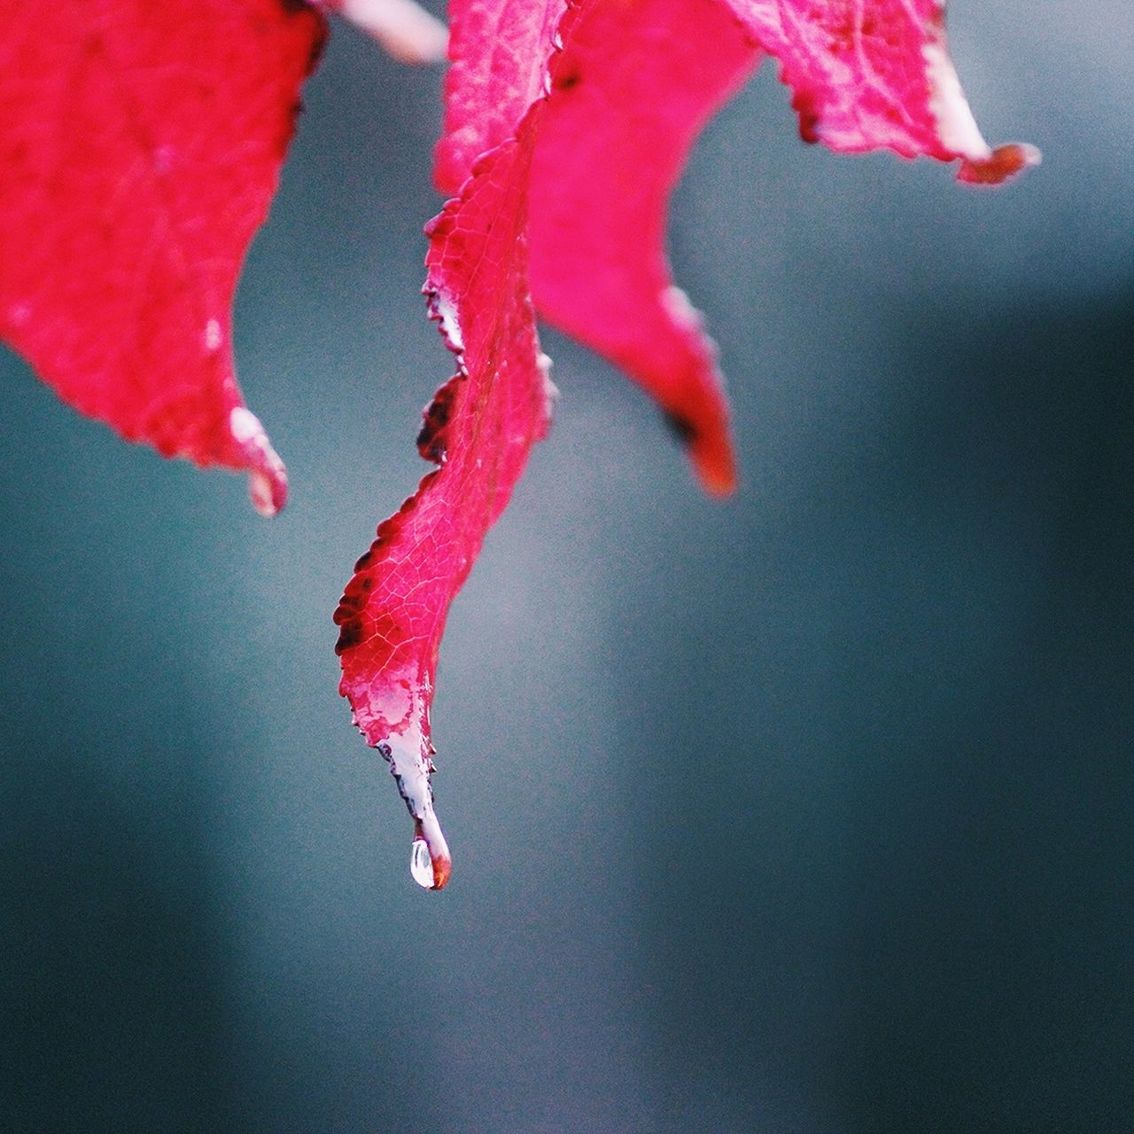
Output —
<point x="566" y="129"/>
<point x="479" y="429"/>
<point x="140" y="145"/>
<point x="597" y="229"/>
<point x="864" y="76"/>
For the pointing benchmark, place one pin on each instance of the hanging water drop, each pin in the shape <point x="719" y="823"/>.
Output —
<point x="420" y="864"/>
<point x="410" y="756"/>
<point x="430" y="863"/>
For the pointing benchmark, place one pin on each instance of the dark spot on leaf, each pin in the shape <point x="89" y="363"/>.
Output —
<point x="681" y="427"/>
<point x="350" y="634"/>
<point x="804" y="105"/>
<point x="431" y="443"/>
<point x="568" y="80"/>
<point x="349" y="606"/>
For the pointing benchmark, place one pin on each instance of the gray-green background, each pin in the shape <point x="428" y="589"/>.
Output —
<point x="807" y="812"/>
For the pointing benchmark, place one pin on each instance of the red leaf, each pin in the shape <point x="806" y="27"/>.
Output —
<point x="479" y="429"/>
<point x="630" y="86"/>
<point x="140" y="145"/>
<point x="634" y="86"/>
<point x="499" y="51"/>
<point x="632" y="89"/>
<point x="873" y="74"/>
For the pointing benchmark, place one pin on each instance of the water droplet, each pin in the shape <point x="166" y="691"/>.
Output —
<point x="410" y="757"/>
<point x="420" y="864"/>
<point x="430" y="863"/>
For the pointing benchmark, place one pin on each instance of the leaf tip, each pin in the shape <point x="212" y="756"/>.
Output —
<point x="430" y="862"/>
<point x="267" y="476"/>
<point x="715" y="467"/>
<point x="710" y="452"/>
<point x="1002" y="164"/>
<point x="268" y="491"/>
<point x="409" y="753"/>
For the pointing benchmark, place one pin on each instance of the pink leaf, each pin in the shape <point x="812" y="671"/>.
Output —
<point x="479" y="430"/>
<point x="140" y="145"/>
<point x="876" y="74"/>
<point x="634" y="86"/>
<point x="499" y="51"/>
<point x="632" y="89"/>
<point x="587" y="126"/>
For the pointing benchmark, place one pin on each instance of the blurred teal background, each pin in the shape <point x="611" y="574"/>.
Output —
<point x="808" y="812"/>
